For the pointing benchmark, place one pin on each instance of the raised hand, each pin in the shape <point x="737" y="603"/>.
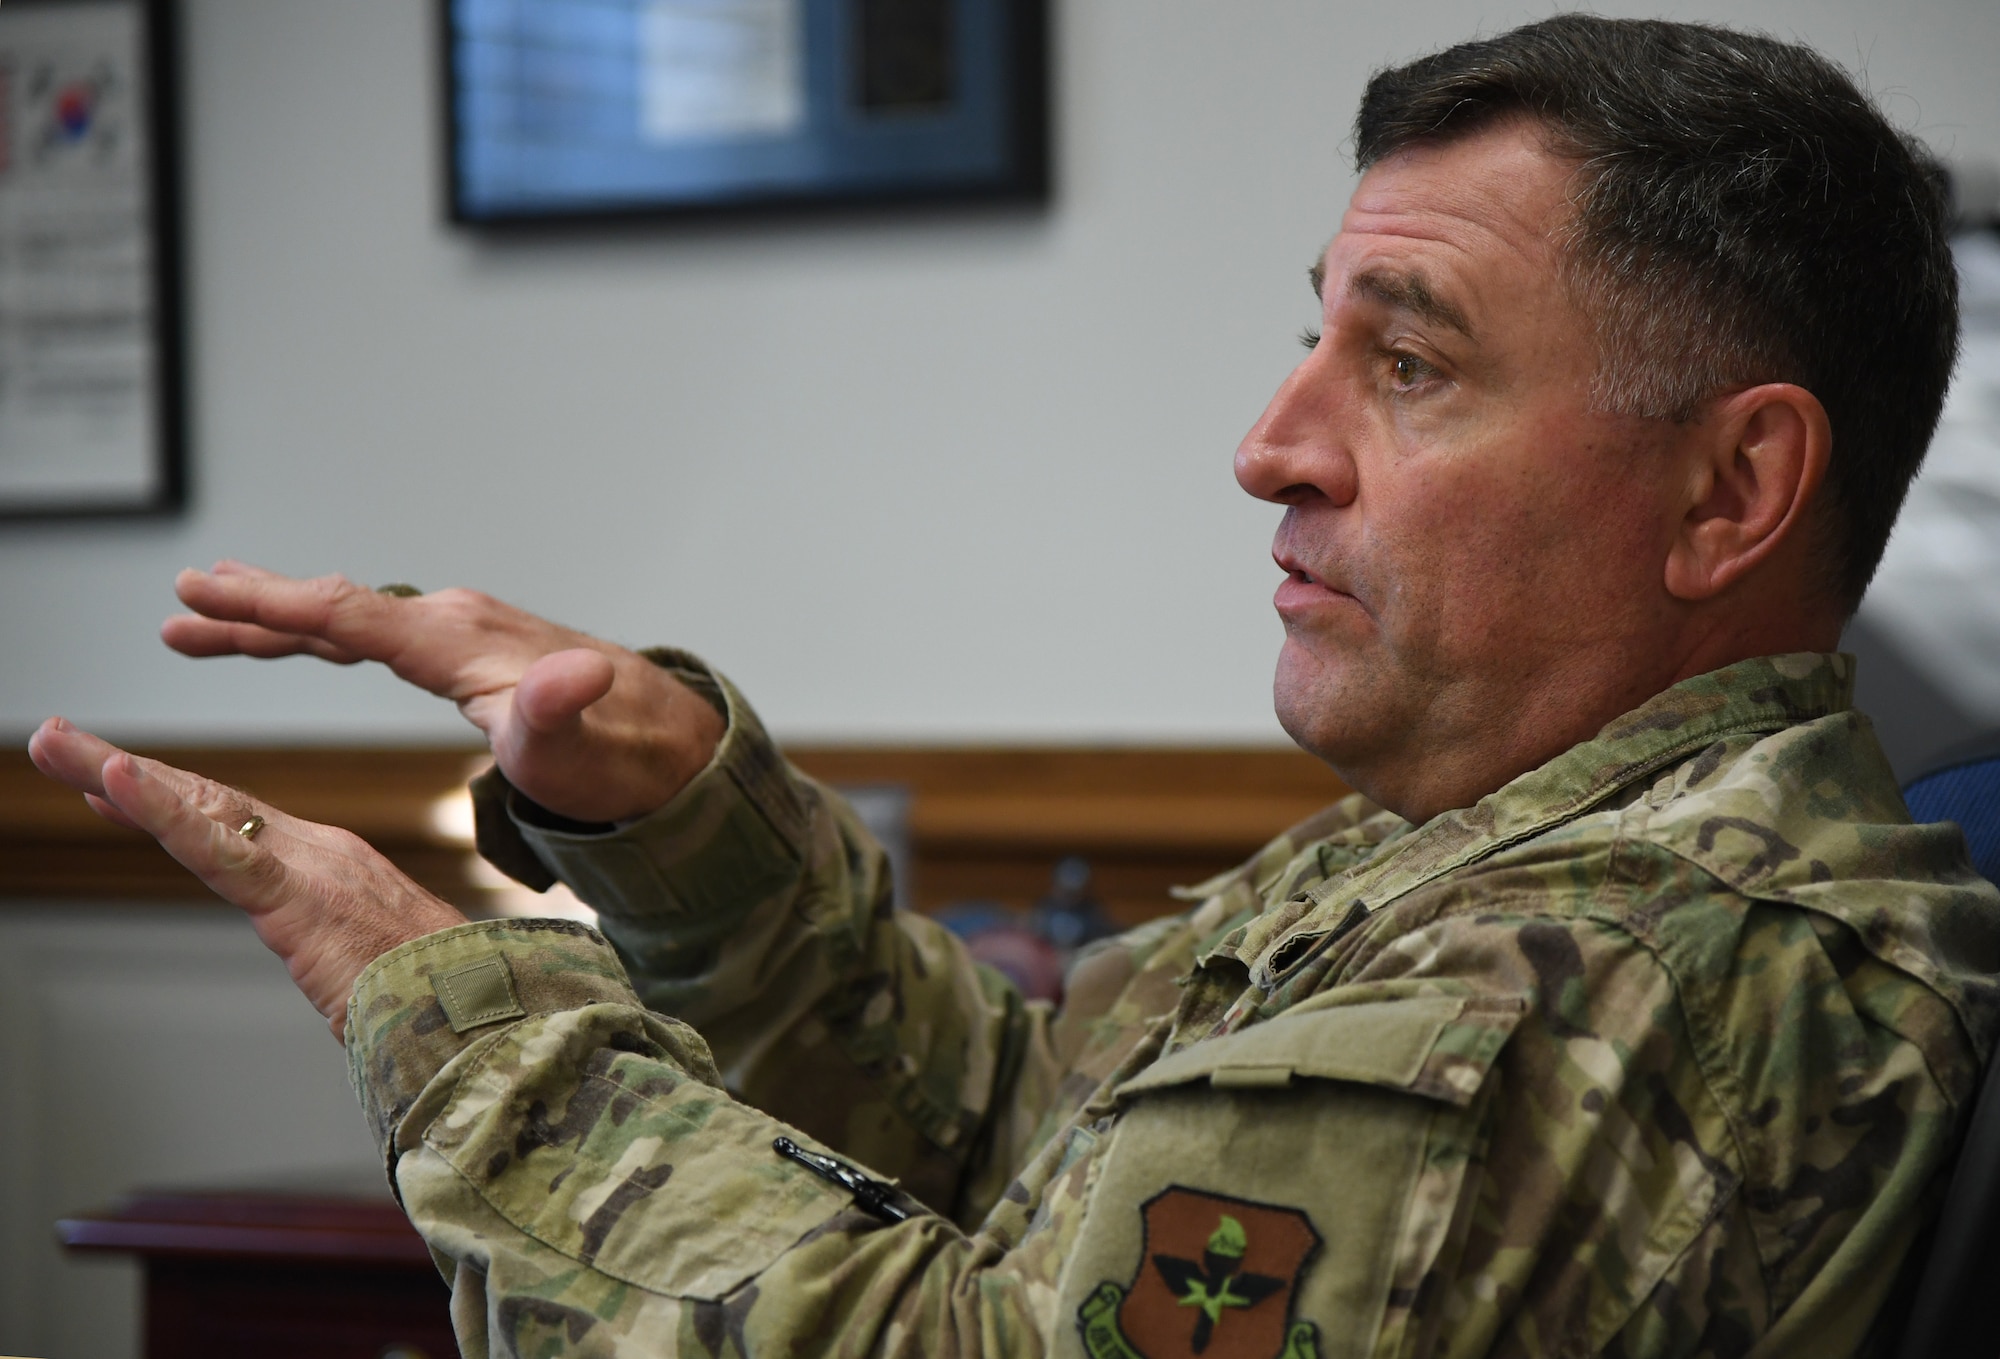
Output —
<point x="589" y="730"/>
<point x="320" y="897"/>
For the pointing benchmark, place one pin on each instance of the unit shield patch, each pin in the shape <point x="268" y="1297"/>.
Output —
<point x="1216" y="1280"/>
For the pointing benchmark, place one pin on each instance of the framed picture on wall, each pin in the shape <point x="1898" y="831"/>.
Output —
<point x="91" y="408"/>
<point x="567" y="109"/>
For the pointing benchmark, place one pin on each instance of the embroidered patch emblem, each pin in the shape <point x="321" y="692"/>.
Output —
<point x="1216" y="1280"/>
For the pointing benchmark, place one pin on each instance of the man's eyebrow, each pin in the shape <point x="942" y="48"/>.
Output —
<point x="1409" y="292"/>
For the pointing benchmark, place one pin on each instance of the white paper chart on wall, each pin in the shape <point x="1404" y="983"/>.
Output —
<point x="82" y="422"/>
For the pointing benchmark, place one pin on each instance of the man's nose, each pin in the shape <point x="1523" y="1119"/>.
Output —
<point x="1297" y="450"/>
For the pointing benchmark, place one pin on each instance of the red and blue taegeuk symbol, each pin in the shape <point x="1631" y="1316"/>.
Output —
<point x="75" y="106"/>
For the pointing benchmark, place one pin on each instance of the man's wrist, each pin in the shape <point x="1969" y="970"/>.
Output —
<point x="420" y="1004"/>
<point x="679" y="736"/>
<point x="733" y="836"/>
<point x="395" y="928"/>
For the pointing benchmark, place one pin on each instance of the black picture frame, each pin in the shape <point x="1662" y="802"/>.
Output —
<point x="969" y="122"/>
<point x="122" y="455"/>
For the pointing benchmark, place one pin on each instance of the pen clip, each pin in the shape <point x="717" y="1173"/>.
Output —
<point x="873" y="1197"/>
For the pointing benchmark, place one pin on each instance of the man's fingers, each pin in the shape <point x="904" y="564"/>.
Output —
<point x="70" y="755"/>
<point x="109" y="811"/>
<point x="192" y="635"/>
<point x="74" y="757"/>
<point x="320" y="898"/>
<point x="351" y="618"/>
<point x="554" y="691"/>
<point x="213" y="852"/>
<point x="457" y="644"/>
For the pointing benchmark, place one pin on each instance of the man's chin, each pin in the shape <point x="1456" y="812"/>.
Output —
<point x="1332" y="712"/>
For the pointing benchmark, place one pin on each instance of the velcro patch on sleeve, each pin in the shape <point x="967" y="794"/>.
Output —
<point x="479" y="993"/>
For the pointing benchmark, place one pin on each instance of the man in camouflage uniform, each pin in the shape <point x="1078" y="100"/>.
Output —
<point x="1631" y="1016"/>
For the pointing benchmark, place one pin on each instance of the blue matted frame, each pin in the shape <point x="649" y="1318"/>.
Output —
<point x="542" y="115"/>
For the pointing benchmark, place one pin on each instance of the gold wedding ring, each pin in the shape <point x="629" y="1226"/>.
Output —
<point x="248" y="830"/>
<point x="399" y="590"/>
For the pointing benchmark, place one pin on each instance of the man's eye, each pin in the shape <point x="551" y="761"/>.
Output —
<point x="1309" y="338"/>
<point x="1409" y="369"/>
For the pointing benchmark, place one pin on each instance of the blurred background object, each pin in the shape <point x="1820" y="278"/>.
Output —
<point x="1928" y="633"/>
<point x="1008" y="942"/>
<point x="1975" y="195"/>
<point x="1964" y="786"/>
<point x="885" y="809"/>
<point x="1071" y="916"/>
<point x="1034" y="949"/>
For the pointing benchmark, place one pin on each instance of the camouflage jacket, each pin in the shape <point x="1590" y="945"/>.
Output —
<point x="1658" y="1050"/>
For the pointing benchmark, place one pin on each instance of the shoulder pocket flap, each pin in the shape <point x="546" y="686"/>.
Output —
<point x="1440" y="1047"/>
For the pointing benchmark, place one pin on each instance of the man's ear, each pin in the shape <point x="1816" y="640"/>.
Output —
<point x="1755" y="463"/>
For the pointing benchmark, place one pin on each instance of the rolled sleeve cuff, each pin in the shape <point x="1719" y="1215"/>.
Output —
<point x="733" y="837"/>
<point x="418" y="1006"/>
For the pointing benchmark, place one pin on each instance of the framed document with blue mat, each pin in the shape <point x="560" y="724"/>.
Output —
<point x="578" y="109"/>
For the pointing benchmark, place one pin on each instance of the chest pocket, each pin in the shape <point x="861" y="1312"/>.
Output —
<point x="1326" y="1157"/>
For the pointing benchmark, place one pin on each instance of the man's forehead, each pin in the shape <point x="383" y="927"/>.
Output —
<point x="1405" y="289"/>
<point x="1430" y="228"/>
<point x="1506" y="171"/>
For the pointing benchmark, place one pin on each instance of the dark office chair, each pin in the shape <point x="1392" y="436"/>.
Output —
<point x="1957" y="1305"/>
<point x="1964" y="786"/>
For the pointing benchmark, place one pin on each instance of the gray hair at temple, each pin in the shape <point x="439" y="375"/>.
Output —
<point x="1745" y="214"/>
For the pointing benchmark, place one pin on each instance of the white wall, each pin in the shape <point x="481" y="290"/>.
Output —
<point x="146" y="1046"/>
<point x="937" y="475"/>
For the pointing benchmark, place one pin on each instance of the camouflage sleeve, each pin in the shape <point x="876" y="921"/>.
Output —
<point x="757" y="908"/>
<point x="589" y="1188"/>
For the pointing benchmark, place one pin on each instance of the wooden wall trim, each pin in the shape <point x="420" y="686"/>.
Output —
<point x="52" y="845"/>
<point x="1228" y="800"/>
<point x="986" y="822"/>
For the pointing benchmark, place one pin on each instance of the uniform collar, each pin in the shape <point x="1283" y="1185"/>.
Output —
<point x="1763" y="695"/>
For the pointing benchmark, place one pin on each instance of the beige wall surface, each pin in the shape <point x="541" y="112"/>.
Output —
<point x="918" y="475"/>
